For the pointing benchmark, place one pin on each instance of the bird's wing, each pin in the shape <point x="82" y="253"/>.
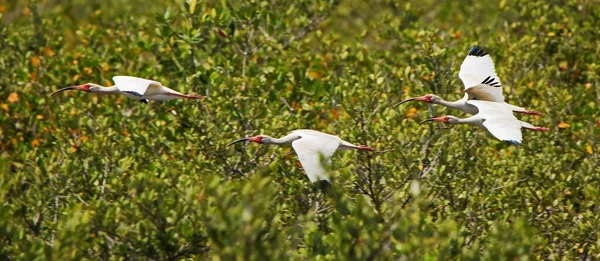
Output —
<point x="314" y="152"/>
<point x="135" y="86"/>
<point x="499" y="120"/>
<point x="478" y="74"/>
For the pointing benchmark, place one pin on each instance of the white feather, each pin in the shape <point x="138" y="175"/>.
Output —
<point x="478" y="74"/>
<point x="130" y="86"/>
<point x="314" y="149"/>
<point x="499" y="120"/>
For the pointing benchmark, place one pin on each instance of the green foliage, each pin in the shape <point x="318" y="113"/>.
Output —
<point x="105" y="177"/>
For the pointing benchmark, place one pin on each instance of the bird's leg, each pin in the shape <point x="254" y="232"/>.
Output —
<point x="195" y="96"/>
<point x="359" y="147"/>
<point x="535" y="128"/>
<point x="530" y="112"/>
<point x="187" y="96"/>
<point x="364" y="147"/>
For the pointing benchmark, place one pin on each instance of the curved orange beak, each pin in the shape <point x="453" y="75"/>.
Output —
<point x="442" y="119"/>
<point x="424" y="98"/>
<point x="256" y="139"/>
<point x="82" y="87"/>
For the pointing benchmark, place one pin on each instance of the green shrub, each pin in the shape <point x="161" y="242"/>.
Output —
<point x="106" y="177"/>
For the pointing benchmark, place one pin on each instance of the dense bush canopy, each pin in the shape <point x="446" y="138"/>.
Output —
<point x="94" y="177"/>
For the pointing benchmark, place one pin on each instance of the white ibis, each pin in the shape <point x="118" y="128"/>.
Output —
<point x="478" y="74"/>
<point x="497" y="118"/>
<point x="314" y="150"/>
<point x="134" y="88"/>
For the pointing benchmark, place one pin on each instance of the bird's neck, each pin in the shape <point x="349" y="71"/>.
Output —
<point x="473" y="120"/>
<point x="454" y="105"/>
<point x="285" y="140"/>
<point x="107" y="90"/>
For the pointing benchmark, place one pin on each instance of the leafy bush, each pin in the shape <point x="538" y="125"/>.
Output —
<point x="106" y="177"/>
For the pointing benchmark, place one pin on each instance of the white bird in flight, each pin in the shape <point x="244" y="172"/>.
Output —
<point x="478" y="74"/>
<point x="314" y="149"/>
<point x="134" y="88"/>
<point x="496" y="117"/>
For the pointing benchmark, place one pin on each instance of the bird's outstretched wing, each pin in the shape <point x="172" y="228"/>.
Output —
<point x="499" y="120"/>
<point x="314" y="152"/>
<point x="134" y="86"/>
<point x="478" y="74"/>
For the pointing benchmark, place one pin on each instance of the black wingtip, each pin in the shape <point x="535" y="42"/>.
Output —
<point x="323" y="185"/>
<point x="476" y="51"/>
<point x="513" y="142"/>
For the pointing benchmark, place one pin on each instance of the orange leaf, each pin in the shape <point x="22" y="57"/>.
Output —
<point x="222" y="33"/>
<point x="4" y="107"/>
<point x="73" y="149"/>
<point x="563" y="125"/>
<point x="87" y="70"/>
<point x="35" y="143"/>
<point x="411" y="112"/>
<point x="83" y="138"/>
<point x="589" y="149"/>
<point x="588" y="86"/>
<point x="35" y="61"/>
<point x="27" y="11"/>
<point x="457" y="34"/>
<point x="1" y="8"/>
<point x="40" y="117"/>
<point x="317" y="75"/>
<point x="48" y="51"/>
<point x="563" y="65"/>
<point x="335" y="114"/>
<point x="13" y="97"/>
<point x="76" y="77"/>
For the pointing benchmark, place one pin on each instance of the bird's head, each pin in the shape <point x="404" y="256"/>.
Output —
<point x="445" y="119"/>
<point x="429" y="98"/>
<point x="261" y="139"/>
<point x="88" y="87"/>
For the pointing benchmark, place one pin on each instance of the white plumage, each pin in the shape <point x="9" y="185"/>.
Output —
<point x="499" y="120"/>
<point x="478" y="74"/>
<point x="314" y="149"/>
<point x="481" y="82"/>
<point x="138" y="88"/>
<point x="134" y="88"/>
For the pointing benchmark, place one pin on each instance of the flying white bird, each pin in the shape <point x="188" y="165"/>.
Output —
<point x="478" y="74"/>
<point x="134" y="88"/>
<point x="496" y="117"/>
<point x="314" y="149"/>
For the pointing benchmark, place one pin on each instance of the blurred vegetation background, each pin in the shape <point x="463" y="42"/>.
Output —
<point x="109" y="178"/>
